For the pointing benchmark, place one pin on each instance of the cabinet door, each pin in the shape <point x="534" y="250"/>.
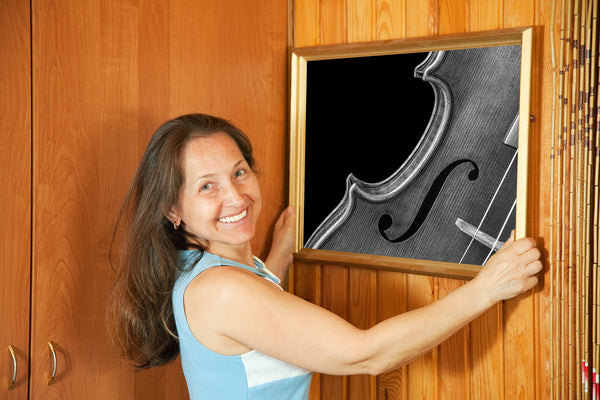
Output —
<point x="106" y="73"/>
<point x="86" y="144"/>
<point x="15" y="194"/>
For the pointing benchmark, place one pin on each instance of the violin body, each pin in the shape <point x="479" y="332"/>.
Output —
<point x="461" y="173"/>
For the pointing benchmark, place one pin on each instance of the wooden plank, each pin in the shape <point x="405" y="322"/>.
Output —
<point x="422" y="18"/>
<point x="519" y="351"/>
<point x="306" y="23"/>
<point x="422" y="372"/>
<point x="422" y="267"/>
<point x="335" y="299"/>
<point x="391" y="19"/>
<point x="542" y="108"/>
<point x="333" y="24"/>
<point x="305" y="282"/>
<point x="519" y="314"/>
<point x="485" y="15"/>
<point x="392" y="300"/>
<point x="486" y="355"/>
<point x="518" y="13"/>
<point x="453" y="355"/>
<point x="362" y="23"/>
<point x="453" y="16"/>
<point x="362" y="313"/>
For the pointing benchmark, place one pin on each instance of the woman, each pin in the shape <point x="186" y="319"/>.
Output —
<point x="189" y="281"/>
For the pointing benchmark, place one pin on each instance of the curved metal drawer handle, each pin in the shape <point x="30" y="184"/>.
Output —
<point x="51" y="379"/>
<point x="11" y="383"/>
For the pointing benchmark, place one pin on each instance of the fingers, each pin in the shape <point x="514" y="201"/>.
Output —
<point x="519" y="246"/>
<point x="529" y="283"/>
<point x="534" y="267"/>
<point x="287" y="217"/>
<point x="284" y="233"/>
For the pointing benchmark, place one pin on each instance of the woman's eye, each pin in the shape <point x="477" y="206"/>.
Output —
<point x="206" y="187"/>
<point x="239" y="173"/>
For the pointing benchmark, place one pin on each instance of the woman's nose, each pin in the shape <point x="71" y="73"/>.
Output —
<point x="233" y="195"/>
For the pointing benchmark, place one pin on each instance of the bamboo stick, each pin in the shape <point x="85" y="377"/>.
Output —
<point x="587" y="186"/>
<point x="572" y="247"/>
<point x="561" y="210"/>
<point x="553" y="159"/>
<point x="581" y="200"/>
<point x="565" y="48"/>
<point x="595" y="142"/>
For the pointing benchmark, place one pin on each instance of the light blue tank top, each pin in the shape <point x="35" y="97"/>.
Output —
<point x="213" y="376"/>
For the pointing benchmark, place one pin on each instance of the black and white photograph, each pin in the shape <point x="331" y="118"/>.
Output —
<point x="413" y="155"/>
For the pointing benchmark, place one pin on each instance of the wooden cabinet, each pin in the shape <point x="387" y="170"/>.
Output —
<point x="83" y="85"/>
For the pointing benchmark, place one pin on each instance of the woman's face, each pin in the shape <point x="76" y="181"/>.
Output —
<point x="219" y="200"/>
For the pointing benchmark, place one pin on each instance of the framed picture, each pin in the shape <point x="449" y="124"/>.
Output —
<point x="411" y="155"/>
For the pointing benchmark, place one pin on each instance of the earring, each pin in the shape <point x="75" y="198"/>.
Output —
<point x="175" y="225"/>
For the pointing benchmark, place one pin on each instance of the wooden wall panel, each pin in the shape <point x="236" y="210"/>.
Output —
<point x="501" y="355"/>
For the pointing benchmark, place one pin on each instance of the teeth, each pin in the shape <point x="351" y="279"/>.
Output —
<point x="234" y="218"/>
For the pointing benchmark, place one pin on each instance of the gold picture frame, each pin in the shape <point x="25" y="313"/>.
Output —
<point x="302" y="59"/>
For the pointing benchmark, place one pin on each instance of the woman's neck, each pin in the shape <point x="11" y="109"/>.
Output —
<point x="240" y="253"/>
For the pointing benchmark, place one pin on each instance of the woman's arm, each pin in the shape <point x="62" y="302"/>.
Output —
<point x="240" y="307"/>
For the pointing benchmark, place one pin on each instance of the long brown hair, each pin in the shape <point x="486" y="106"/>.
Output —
<point x="145" y="243"/>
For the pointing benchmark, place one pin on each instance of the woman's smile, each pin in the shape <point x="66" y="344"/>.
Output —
<point x="233" y="218"/>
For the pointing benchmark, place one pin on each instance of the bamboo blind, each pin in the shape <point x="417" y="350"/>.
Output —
<point x="575" y="286"/>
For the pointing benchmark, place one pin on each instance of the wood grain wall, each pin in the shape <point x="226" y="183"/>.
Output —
<point x="503" y="354"/>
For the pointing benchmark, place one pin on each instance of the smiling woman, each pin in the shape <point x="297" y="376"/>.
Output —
<point x="188" y="281"/>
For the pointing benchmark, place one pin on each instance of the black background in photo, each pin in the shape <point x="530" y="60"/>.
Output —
<point x="364" y="116"/>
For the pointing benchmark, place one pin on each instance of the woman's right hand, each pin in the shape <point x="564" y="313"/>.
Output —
<point x="511" y="271"/>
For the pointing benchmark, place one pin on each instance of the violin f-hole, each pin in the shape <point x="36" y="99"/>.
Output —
<point x="386" y="220"/>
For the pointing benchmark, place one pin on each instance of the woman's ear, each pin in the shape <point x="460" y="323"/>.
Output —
<point x="174" y="217"/>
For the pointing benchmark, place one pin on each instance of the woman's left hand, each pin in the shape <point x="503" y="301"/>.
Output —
<point x="284" y="238"/>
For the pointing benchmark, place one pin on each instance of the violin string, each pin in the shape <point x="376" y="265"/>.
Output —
<point x="501" y="230"/>
<point x="489" y="206"/>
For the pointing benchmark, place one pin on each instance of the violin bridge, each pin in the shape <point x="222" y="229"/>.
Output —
<point x="512" y="136"/>
<point x="482" y="237"/>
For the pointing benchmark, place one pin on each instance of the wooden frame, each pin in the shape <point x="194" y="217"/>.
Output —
<point x="300" y="60"/>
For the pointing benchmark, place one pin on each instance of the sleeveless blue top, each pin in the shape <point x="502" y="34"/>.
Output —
<point x="213" y="376"/>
